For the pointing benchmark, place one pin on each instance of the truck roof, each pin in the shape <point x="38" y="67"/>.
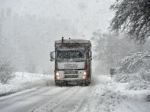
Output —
<point x="72" y="41"/>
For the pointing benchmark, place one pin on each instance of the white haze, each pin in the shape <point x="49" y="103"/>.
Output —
<point x="28" y="28"/>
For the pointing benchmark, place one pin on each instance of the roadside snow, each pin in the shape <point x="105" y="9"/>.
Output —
<point x="23" y="81"/>
<point x="104" y="95"/>
<point x="137" y="92"/>
<point x="135" y="71"/>
<point x="99" y="97"/>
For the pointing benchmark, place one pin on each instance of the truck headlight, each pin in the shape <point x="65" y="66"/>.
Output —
<point x="84" y="75"/>
<point x="57" y="75"/>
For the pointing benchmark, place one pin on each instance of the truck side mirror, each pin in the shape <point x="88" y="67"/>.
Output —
<point x="90" y="55"/>
<point x="52" y="56"/>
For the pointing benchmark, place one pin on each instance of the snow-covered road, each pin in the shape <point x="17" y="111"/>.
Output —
<point x="31" y="99"/>
<point x="103" y="95"/>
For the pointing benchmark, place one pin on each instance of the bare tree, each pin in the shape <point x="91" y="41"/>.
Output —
<point x="5" y="66"/>
<point x="6" y="70"/>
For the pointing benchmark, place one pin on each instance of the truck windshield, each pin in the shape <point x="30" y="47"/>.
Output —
<point x="70" y="54"/>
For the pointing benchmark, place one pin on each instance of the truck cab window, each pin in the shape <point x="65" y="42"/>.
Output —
<point x="70" y="54"/>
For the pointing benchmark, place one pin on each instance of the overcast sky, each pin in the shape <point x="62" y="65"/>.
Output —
<point x="32" y="26"/>
<point x="85" y="16"/>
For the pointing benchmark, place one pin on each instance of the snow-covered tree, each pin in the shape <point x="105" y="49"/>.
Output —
<point x="133" y="17"/>
<point x="110" y="48"/>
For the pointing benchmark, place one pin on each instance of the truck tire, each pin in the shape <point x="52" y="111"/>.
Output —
<point x="57" y="84"/>
<point x="88" y="82"/>
<point x="85" y="83"/>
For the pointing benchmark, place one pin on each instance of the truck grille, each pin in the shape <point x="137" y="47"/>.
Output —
<point x="70" y="72"/>
<point x="71" y="76"/>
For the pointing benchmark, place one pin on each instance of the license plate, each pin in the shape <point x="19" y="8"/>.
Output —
<point x="70" y="72"/>
<point x="71" y="76"/>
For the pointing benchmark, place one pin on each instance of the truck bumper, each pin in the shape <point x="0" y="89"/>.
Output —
<point x="72" y="82"/>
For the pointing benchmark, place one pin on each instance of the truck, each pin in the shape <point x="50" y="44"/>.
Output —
<point x="72" y="58"/>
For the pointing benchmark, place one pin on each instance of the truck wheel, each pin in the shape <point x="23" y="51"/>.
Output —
<point x="84" y="84"/>
<point x="60" y="84"/>
<point x="65" y="83"/>
<point x="87" y="83"/>
<point x="57" y="84"/>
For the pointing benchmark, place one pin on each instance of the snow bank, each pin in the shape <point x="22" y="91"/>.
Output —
<point x="103" y="97"/>
<point x="140" y="80"/>
<point x="23" y="81"/>
<point x="135" y="70"/>
<point x="136" y="81"/>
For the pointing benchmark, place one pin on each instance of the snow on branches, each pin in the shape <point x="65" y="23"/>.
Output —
<point x="133" y="17"/>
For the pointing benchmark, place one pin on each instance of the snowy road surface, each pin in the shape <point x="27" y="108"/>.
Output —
<point x="33" y="98"/>
<point x="103" y="95"/>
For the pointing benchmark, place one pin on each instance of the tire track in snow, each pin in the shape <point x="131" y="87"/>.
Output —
<point x="50" y="97"/>
<point x="82" y="101"/>
<point x="18" y="98"/>
<point x="58" y="102"/>
<point x="26" y="102"/>
<point x="71" y="102"/>
<point x="102" y="98"/>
